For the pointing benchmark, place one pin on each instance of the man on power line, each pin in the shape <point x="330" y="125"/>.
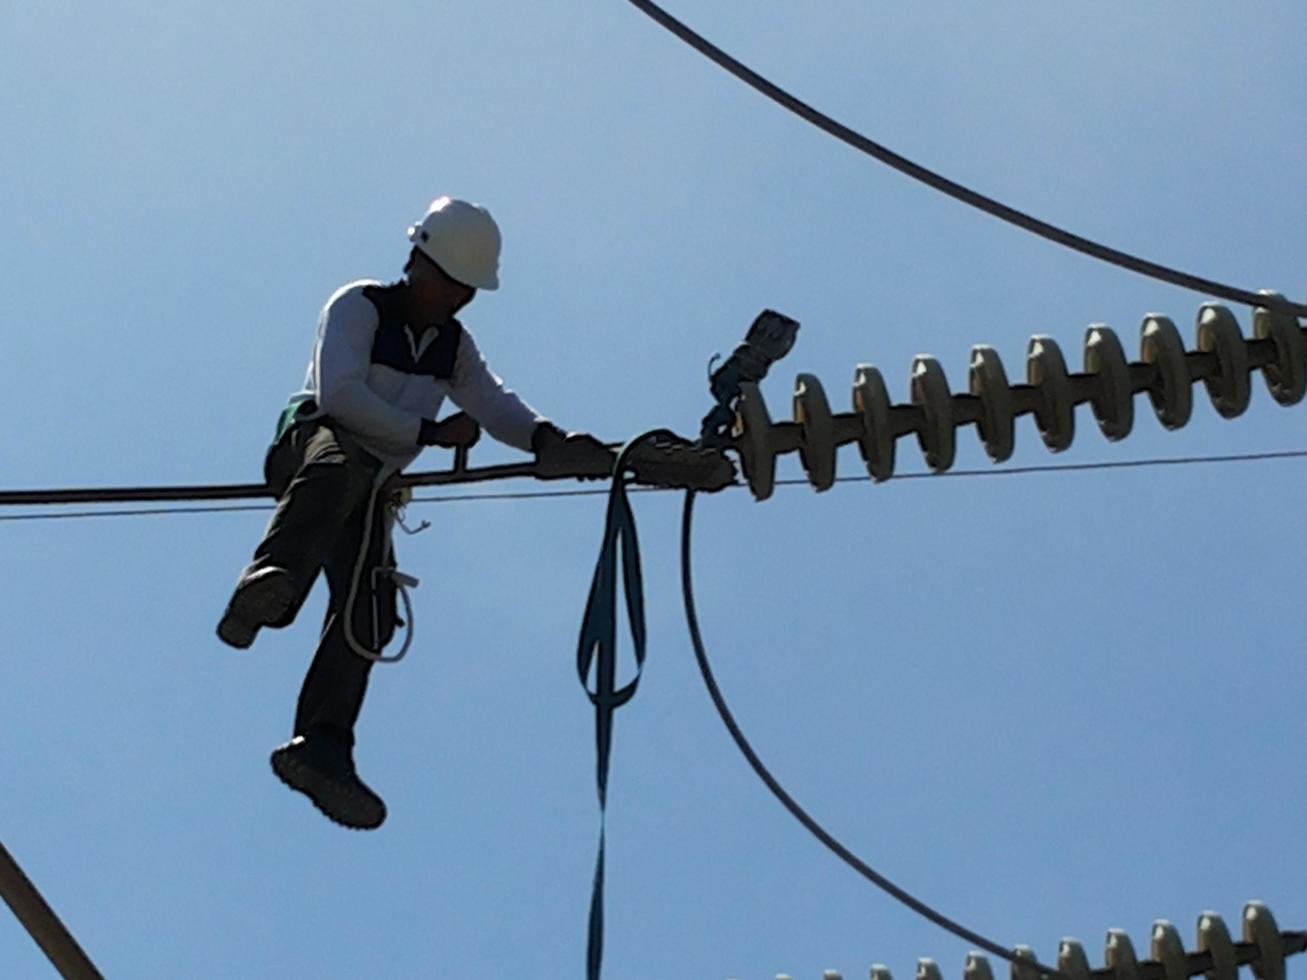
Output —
<point x="385" y="359"/>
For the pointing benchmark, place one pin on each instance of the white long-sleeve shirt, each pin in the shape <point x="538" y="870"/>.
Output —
<point x="380" y="388"/>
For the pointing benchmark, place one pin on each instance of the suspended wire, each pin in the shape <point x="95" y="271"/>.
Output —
<point x="789" y="802"/>
<point x="544" y="494"/>
<point x="236" y="508"/>
<point x="1125" y="464"/>
<point x="953" y="189"/>
<point x="138" y="512"/>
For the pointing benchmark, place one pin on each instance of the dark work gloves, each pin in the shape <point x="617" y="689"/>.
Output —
<point x="562" y="454"/>
<point x="546" y="435"/>
<point x="456" y="431"/>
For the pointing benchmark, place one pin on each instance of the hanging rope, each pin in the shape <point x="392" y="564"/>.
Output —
<point x="953" y="189"/>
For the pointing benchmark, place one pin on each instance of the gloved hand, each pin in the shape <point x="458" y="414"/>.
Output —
<point x="459" y="430"/>
<point x="562" y="454"/>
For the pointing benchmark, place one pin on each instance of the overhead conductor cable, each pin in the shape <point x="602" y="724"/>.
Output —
<point x="953" y="189"/>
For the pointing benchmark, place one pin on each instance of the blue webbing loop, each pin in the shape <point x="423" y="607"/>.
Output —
<point x="597" y="649"/>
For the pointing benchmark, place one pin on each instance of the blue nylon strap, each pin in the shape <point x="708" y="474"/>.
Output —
<point x="597" y="652"/>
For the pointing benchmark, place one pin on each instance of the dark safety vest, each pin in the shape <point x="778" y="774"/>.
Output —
<point x="395" y="346"/>
<point x="395" y="343"/>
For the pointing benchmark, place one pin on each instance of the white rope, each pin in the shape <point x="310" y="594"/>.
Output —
<point x="400" y="510"/>
<point x="402" y="583"/>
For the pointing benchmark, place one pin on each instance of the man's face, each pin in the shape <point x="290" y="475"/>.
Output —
<point x="435" y="297"/>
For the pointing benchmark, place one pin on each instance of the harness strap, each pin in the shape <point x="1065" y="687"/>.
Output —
<point x="402" y="582"/>
<point x="597" y="651"/>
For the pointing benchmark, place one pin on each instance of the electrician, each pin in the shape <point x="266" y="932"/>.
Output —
<point x="385" y="358"/>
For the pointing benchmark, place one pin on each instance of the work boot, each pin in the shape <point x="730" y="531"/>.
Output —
<point x="261" y="599"/>
<point x="321" y="766"/>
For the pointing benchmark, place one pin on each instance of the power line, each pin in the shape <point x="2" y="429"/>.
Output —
<point x="237" y="508"/>
<point x="136" y="512"/>
<point x="1126" y="464"/>
<point x="953" y="189"/>
<point x="810" y="823"/>
<point x="1053" y="468"/>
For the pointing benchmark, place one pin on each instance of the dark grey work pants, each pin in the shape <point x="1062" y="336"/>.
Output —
<point x="324" y="480"/>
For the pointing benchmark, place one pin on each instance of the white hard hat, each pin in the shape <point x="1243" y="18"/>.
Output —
<point x="462" y="239"/>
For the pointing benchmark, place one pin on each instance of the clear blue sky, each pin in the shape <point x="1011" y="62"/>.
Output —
<point x="1049" y="704"/>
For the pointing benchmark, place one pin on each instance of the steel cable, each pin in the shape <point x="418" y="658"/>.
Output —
<point x="788" y="801"/>
<point x="953" y="189"/>
<point x="1125" y="464"/>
